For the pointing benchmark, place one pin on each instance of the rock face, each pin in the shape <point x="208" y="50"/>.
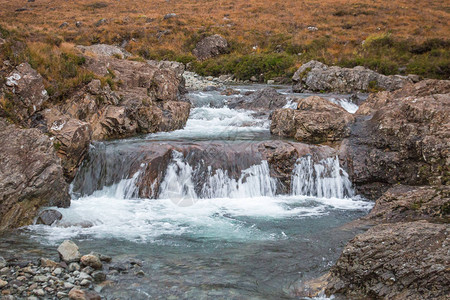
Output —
<point x="395" y="261"/>
<point x="210" y="46"/>
<point x="264" y="100"/>
<point x="30" y="175"/>
<point x="316" y="77"/>
<point x="315" y="120"/>
<point x="406" y="203"/>
<point x="406" y="141"/>
<point x="25" y="90"/>
<point x="141" y="97"/>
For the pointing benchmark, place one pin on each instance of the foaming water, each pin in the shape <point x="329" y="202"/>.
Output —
<point x="345" y="104"/>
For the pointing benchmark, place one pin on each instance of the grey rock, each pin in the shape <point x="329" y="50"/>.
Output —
<point x="317" y="77"/>
<point x="264" y="100"/>
<point x="74" y="267"/>
<point x="68" y="252"/>
<point x="48" y="217"/>
<point x="210" y="46"/>
<point x="98" y="276"/>
<point x="170" y="16"/>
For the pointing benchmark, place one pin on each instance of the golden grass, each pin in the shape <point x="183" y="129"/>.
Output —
<point x="247" y="23"/>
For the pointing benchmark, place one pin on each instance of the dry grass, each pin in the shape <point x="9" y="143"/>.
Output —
<point x="139" y="24"/>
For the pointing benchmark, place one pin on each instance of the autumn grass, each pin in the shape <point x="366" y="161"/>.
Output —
<point x="266" y="37"/>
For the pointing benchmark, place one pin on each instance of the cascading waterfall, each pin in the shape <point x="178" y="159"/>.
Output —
<point x="253" y="182"/>
<point x="325" y="179"/>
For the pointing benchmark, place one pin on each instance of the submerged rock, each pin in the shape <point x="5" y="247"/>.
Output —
<point x="315" y="120"/>
<point x="394" y="261"/>
<point x="30" y="175"/>
<point x="317" y="77"/>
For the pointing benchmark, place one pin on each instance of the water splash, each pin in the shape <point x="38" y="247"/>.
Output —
<point x="325" y="179"/>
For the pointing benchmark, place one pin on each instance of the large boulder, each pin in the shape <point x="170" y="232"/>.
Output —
<point x="406" y="203"/>
<point x="317" y="77"/>
<point x="25" y="93"/>
<point x="315" y="120"/>
<point x="394" y="261"/>
<point x="31" y="175"/>
<point x="406" y="141"/>
<point x="210" y="46"/>
<point x="423" y="88"/>
<point x="264" y="100"/>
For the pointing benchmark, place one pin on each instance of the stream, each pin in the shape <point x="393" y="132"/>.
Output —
<point x="217" y="225"/>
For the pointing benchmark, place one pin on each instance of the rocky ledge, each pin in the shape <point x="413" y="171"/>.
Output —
<point x="75" y="276"/>
<point x="315" y="76"/>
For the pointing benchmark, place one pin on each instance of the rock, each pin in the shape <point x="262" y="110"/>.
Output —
<point x="3" y="283"/>
<point x="265" y="100"/>
<point x="72" y="139"/>
<point x="194" y="82"/>
<point x="98" y="276"/>
<point x="48" y="263"/>
<point x="101" y="22"/>
<point x="315" y="120"/>
<point x="170" y="16"/>
<point x="74" y="267"/>
<point x="230" y="92"/>
<point x="317" y="77"/>
<point x="28" y="94"/>
<point x="78" y="24"/>
<point x="85" y="282"/>
<point x="64" y="25"/>
<point x="405" y="141"/>
<point x="104" y="50"/>
<point x="406" y="203"/>
<point x="30" y="176"/>
<point x="91" y="260"/>
<point x="39" y="292"/>
<point x="394" y="261"/>
<point x="3" y="263"/>
<point x="48" y="217"/>
<point x="427" y="87"/>
<point x="210" y="46"/>
<point x="68" y="252"/>
<point x="40" y="278"/>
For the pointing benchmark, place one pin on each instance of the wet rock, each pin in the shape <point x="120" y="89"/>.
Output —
<point x="316" y="77"/>
<point x="28" y="94"/>
<point x="68" y="252"/>
<point x="98" y="276"/>
<point x="394" y="261"/>
<point x="48" y="217"/>
<point x="210" y="46"/>
<point x="266" y="99"/>
<point x="315" y="120"/>
<point x="405" y="141"/>
<point x="30" y="175"/>
<point x="91" y="260"/>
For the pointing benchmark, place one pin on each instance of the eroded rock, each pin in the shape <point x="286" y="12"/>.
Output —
<point x="315" y="120"/>
<point x="317" y="77"/>
<point x="210" y="46"/>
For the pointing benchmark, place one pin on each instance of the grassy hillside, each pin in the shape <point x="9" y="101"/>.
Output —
<point x="271" y="38"/>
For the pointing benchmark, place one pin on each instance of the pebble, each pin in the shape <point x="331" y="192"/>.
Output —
<point x="39" y="292"/>
<point x="3" y="283"/>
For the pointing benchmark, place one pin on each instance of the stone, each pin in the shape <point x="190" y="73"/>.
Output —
<point x="394" y="261"/>
<point x="3" y="283"/>
<point x="68" y="252"/>
<point x="78" y="24"/>
<point x="3" y="263"/>
<point x="40" y="278"/>
<point x="104" y="50"/>
<point x="85" y="282"/>
<point x="315" y="76"/>
<point x="316" y="120"/>
<point x="210" y="46"/>
<point x="98" y="276"/>
<point x="264" y="100"/>
<point x="28" y="93"/>
<point x="48" y="217"/>
<point x="170" y="16"/>
<point x="30" y="176"/>
<point x="39" y="292"/>
<point x="74" y="267"/>
<point x="404" y="141"/>
<point x="57" y="271"/>
<point x="48" y="263"/>
<point x="406" y="203"/>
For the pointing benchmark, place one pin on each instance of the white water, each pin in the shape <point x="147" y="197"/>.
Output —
<point x="344" y="103"/>
<point x="325" y="179"/>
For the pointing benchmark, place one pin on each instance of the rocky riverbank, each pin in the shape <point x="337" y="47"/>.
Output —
<point x="74" y="276"/>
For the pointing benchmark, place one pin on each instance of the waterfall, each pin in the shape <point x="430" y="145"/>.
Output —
<point x="325" y="179"/>
<point x="254" y="181"/>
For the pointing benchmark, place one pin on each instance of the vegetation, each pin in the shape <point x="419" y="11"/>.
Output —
<point x="393" y="37"/>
